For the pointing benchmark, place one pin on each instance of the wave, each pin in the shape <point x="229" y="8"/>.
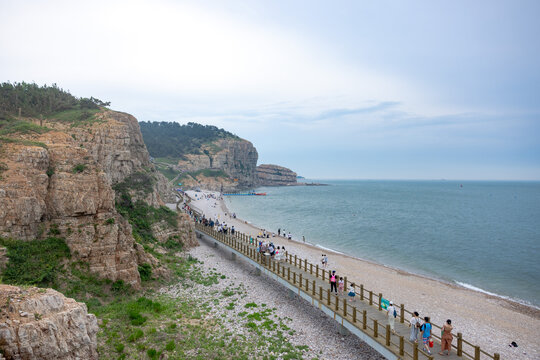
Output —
<point x="474" y="288"/>
<point x="328" y="249"/>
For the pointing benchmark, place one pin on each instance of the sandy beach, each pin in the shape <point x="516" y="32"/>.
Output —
<point x="488" y="321"/>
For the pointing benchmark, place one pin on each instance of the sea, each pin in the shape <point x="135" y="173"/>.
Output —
<point x="482" y="235"/>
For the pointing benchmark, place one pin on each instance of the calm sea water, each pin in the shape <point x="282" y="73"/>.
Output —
<point x="483" y="235"/>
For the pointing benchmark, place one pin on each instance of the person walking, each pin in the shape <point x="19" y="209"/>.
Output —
<point x="352" y="293"/>
<point x="341" y="285"/>
<point x="415" y="324"/>
<point x="426" y="334"/>
<point x="392" y="314"/>
<point x="446" y="338"/>
<point x="333" y="282"/>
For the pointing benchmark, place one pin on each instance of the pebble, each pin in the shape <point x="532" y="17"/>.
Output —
<point x="312" y="327"/>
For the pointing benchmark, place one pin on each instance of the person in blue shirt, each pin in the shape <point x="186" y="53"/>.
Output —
<point x="426" y="334"/>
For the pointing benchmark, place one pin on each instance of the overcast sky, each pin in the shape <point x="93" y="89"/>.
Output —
<point x="332" y="89"/>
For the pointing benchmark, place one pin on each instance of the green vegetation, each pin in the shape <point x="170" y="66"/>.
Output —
<point x="79" y="168"/>
<point x="11" y="126"/>
<point x="34" y="100"/>
<point x="36" y="262"/>
<point x="22" y="141"/>
<point x="145" y="271"/>
<point x="174" y="141"/>
<point x="205" y="172"/>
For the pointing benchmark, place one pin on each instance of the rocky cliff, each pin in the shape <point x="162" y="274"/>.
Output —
<point x="61" y="181"/>
<point x="43" y="324"/>
<point x="274" y="175"/>
<point x="236" y="158"/>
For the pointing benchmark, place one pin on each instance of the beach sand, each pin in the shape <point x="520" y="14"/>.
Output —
<point x="488" y="321"/>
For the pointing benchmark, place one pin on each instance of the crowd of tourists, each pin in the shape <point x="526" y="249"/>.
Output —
<point x="420" y="328"/>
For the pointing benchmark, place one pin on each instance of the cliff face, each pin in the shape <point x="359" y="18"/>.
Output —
<point x="66" y="186"/>
<point x="274" y="175"/>
<point x="43" y="324"/>
<point x="236" y="157"/>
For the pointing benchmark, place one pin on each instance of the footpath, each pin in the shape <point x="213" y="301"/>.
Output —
<point x="365" y="317"/>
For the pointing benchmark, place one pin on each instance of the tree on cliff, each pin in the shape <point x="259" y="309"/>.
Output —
<point x="170" y="139"/>
<point x="34" y="100"/>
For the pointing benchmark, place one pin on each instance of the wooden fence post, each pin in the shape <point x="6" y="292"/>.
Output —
<point x="313" y="286"/>
<point x="388" y="335"/>
<point x="375" y="328"/>
<point x="289" y="273"/>
<point x="344" y="308"/>
<point x="370" y="297"/>
<point x="361" y="291"/>
<point x="320" y="293"/>
<point x="295" y="260"/>
<point x="317" y="270"/>
<point x="401" y="346"/>
<point x="477" y="352"/>
<point x="380" y="301"/>
<point x="364" y="319"/>
<point x="294" y="278"/>
<point x="354" y="314"/>
<point x="337" y="303"/>
<point x="300" y="279"/>
<point x="402" y="314"/>
<point x="311" y="268"/>
<point x="328" y="295"/>
<point x="415" y="351"/>
<point x="496" y="356"/>
<point x="345" y="283"/>
<point x="459" y="344"/>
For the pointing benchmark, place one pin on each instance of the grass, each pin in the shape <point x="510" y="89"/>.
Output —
<point x="167" y="160"/>
<point x="205" y="172"/>
<point x="76" y="117"/>
<point x="12" y="126"/>
<point x="141" y="217"/>
<point x="36" y="262"/>
<point x="22" y="142"/>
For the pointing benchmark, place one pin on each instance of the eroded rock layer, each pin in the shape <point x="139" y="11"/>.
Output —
<point x="60" y="183"/>
<point x="274" y="175"/>
<point x="44" y="324"/>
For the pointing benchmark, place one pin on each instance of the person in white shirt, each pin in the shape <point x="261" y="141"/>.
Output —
<point x="391" y="312"/>
<point x="415" y="324"/>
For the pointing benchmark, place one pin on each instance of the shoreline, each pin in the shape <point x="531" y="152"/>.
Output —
<point x="524" y="306"/>
<point x="475" y="314"/>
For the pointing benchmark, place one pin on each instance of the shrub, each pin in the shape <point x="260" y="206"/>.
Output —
<point x="135" y="335"/>
<point x="170" y="346"/>
<point x="119" y="286"/>
<point x="50" y="171"/>
<point x="109" y="221"/>
<point x="79" y="168"/>
<point x="145" y="270"/>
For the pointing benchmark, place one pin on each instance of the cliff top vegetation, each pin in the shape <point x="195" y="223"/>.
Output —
<point x="172" y="140"/>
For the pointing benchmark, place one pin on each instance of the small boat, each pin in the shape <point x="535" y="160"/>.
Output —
<point x="260" y="194"/>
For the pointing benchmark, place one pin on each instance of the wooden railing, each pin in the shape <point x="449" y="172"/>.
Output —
<point x="360" y="319"/>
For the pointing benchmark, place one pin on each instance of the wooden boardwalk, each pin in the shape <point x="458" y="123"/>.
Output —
<point x="365" y="317"/>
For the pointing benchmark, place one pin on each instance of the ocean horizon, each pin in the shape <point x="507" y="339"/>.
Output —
<point x="482" y="235"/>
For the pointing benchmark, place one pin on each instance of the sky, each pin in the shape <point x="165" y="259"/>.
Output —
<point x="333" y="90"/>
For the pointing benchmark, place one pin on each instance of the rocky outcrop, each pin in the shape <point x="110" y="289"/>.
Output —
<point x="61" y="183"/>
<point x="274" y="175"/>
<point x="237" y="158"/>
<point x="44" y="324"/>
